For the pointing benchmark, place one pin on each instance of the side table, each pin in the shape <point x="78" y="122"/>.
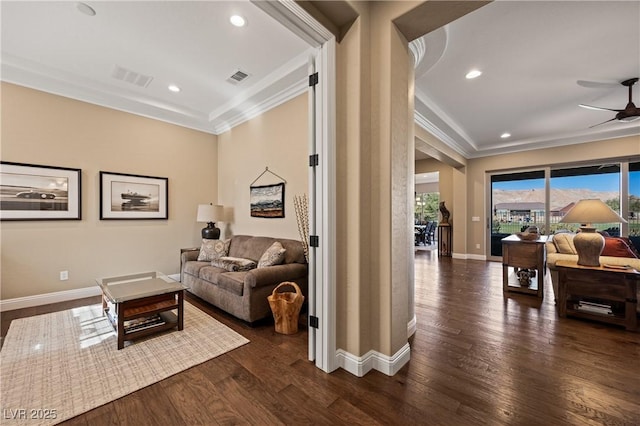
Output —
<point x="444" y="240"/>
<point x="523" y="255"/>
<point x="613" y="284"/>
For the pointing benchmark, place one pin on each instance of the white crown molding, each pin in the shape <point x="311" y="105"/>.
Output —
<point x="286" y="82"/>
<point x="372" y="360"/>
<point x="46" y="79"/>
<point x="283" y="84"/>
<point x="427" y="125"/>
<point x="296" y="19"/>
<point x="456" y="139"/>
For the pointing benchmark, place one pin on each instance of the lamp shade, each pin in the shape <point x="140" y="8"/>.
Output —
<point x="210" y="213"/>
<point x="592" y="211"/>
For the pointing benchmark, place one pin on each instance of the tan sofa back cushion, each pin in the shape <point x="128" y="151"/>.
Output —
<point x="249" y="247"/>
<point x="564" y="243"/>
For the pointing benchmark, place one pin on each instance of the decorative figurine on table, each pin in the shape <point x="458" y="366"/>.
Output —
<point x="445" y="214"/>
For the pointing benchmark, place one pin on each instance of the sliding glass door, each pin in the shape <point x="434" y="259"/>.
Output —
<point x="518" y="199"/>
<point x="570" y="185"/>
<point x="517" y="202"/>
<point x="633" y="214"/>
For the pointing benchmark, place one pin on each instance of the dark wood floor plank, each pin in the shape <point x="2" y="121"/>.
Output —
<point x="478" y="357"/>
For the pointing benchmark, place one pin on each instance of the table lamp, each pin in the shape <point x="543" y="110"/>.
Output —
<point x="589" y="243"/>
<point x="210" y="214"/>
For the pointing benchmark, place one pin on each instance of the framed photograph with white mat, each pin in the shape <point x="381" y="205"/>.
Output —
<point x="125" y="196"/>
<point x="36" y="192"/>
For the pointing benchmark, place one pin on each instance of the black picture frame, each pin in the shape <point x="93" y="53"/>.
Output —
<point x="267" y="201"/>
<point x="133" y="197"/>
<point x="39" y="192"/>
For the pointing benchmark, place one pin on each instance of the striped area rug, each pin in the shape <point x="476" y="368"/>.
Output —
<point x="56" y="366"/>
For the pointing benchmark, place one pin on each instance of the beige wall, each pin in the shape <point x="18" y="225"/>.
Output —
<point x="374" y="137"/>
<point x="277" y="139"/>
<point x="40" y="128"/>
<point x="602" y="151"/>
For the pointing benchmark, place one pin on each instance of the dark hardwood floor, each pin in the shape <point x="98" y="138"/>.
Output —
<point x="477" y="358"/>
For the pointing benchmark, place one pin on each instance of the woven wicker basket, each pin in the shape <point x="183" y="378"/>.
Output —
<point x="285" y="307"/>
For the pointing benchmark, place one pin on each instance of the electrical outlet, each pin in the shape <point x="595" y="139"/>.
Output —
<point x="64" y="275"/>
<point x="478" y="246"/>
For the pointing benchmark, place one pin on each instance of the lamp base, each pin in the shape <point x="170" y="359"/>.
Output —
<point x="589" y="245"/>
<point x="211" y="232"/>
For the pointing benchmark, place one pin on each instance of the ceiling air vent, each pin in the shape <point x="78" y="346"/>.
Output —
<point x="237" y="77"/>
<point x="120" y="73"/>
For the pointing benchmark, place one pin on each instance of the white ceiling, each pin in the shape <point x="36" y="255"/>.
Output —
<point x="54" y="47"/>
<point x="532" y="55"/>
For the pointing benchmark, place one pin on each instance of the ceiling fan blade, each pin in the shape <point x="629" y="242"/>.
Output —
<point x="602" y="123"/>
<point x="597" y="84"/>
<point x="599" y="108"/>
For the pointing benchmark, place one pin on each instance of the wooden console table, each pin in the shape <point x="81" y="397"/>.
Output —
<point x="610" y="284"/>
<point x="523" y="254"/>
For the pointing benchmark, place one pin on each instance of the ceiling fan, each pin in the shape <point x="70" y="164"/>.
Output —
<point x="629" y="113"/>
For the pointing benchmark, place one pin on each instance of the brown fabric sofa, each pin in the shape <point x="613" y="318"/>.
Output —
<point x="560" y="247"/>
<point x="243" y="294"/>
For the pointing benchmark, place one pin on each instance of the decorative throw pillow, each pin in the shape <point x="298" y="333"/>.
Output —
<point x="213" y="249"/>
<point x="274" y="255"/>
<point x="233" y="264"/>
<point x="616" y="247"/>
<point x="564" y="243"/>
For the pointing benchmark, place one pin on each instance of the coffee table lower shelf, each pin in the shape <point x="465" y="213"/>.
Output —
<point x="161" y="305"/>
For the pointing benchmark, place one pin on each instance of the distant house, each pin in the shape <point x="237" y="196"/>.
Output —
<point x="527" y="212"/>
<point x="519" y="212"/>
<point x="563" y="211"/>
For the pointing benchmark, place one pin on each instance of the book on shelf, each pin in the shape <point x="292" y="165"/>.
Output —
<point x="142" y="323"/>
<point x="593" y="308"/>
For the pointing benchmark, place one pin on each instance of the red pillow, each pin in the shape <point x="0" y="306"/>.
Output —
<point x="617" y="248"/>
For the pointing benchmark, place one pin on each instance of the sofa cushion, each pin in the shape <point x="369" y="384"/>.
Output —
<point x="274" y="255"/>
<point x="210" y="273"/>
<point x="617" y="247"/>
<point x="564" y="243"/>
<point x="233" y="282"/>
<point x="213" y="249"/>
<point x="252" y="248"/>
<point x="194" y="267"/>
<point x="234" y="264"/>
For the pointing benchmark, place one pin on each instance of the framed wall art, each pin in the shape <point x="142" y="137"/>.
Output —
<point x="267" y="201"/>
<point x="124" y="196"/>
<point x="36" y="192"/>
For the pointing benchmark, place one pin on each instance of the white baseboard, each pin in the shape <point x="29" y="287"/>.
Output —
<point x="476" y="257"/>
<point x="45" y="299"/>
<point x="372" y="360"/>
<point x="411" y="326"/>
<point x="175" y="277"/>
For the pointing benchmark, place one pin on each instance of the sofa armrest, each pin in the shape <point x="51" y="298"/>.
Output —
<point x="276" y="274"/>
<point x="189" y="255"/>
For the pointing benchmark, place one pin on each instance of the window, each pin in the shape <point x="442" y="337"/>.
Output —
<point x="517" y="201"/>
<point x="570" y="185"/>
<point x="633" y="216"/>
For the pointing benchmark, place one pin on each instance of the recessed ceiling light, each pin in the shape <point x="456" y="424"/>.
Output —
<point x="238" y="21"/>
<point x="86" y="9"/>
<point x="505" y="135"/>
<point x="174" y="88"/>
<point x="473" y="74"/>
